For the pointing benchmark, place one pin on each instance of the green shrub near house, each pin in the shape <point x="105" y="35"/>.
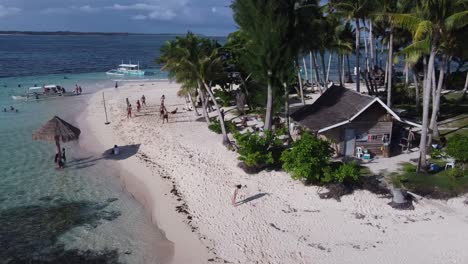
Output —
<point x="307" y="158"/>
<point x="215" y="126"/>
<point x="346" y="173"/>
<point x="257" y="150"/>
<point x="457" y="147"/>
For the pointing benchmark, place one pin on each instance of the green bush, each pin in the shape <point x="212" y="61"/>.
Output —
<point x="307" y="158"/>
<point x="455" y="173"/>
<point x="256" y="150"/>
<point x="437" y="154"/>
<point x="346" y="172"/>
<point x="225" y="98"/>
<point x="457" y="148"/>
<point x="215" y="126"/>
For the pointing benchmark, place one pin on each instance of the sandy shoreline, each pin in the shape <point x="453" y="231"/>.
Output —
<point x="284" y="221"/>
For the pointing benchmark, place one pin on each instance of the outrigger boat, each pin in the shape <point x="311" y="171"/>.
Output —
<point x="127" y="69"/>
<point x="46" y="91"/>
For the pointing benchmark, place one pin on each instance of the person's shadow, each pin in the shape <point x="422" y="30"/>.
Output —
<point x="125" y="152"/>
<point x="251" y="198"/>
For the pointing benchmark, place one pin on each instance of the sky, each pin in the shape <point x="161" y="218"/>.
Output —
<point x="209" y="17"/>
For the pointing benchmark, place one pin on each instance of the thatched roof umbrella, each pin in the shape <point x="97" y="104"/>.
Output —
<point x="57" y="130"/>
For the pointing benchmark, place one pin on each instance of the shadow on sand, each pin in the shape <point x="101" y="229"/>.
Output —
<point x="86" y="162"/>
<point x="251" y="198"/>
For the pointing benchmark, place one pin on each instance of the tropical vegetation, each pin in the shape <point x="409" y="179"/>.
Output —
<point x="404" y="51"/>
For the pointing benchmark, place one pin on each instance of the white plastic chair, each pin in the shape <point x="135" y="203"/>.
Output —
<point x="450" y="165"/>
<point x="359" y="152"/>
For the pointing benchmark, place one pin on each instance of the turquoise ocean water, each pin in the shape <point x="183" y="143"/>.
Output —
<point x="81" y="214"/>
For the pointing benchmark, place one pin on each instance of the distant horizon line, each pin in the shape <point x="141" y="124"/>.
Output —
<point x="67" y="32"/>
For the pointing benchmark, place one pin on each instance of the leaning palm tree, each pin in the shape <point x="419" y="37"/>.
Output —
<point x="430" y="24"/>
<point x="191" y="60"/>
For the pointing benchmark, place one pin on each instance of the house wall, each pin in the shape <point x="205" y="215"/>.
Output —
<point x="375" y="121"/>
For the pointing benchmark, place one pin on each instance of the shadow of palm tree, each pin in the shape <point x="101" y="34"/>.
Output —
<point x="251" y="198"/>
<point x="125" y="152"/>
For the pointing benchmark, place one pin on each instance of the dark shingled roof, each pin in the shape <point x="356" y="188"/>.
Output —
<point x="335" y="105"/>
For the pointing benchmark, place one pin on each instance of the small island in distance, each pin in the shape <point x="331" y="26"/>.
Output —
<point x="65" y="33"/>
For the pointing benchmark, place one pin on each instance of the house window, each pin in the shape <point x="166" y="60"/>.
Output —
<point x="361" y="137"/>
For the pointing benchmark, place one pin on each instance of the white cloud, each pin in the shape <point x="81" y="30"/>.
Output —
<point x="7" y="11"/>
<point x="70" y="10"/>
<point x="139" y="17"/>
<point x="158" y="10"/>
<point x="88" y="9"/>
<point x="213" y="9"/>
<point x="56" y="10"/>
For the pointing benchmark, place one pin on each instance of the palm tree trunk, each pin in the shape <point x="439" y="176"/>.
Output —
<point x="416" y="87"/>
<point x="328" y="68"/>
<point x="340" y="73"/>
<point x="358" y="77"/>
<point x="371" y="44"/>
<point x="301" y="88"/>
<point x="317" y="75"/>
<point x="422" y="164"/>
<point x="343" y="69"/>
<point x="436" y="102"/>
<point x="193" y="104"/>
<point x="305" y="69"/>
<point x="286" y="107"/>
<point x="465" y="89"/>
<point x="390" y="69"/>
<point x="324" y="70"/>
<point x="366" y="50"/>
<point x="350" y="80"/>
<point x="310" y="65"/>
<point x="226" y="141"/>
<point x="406" y="74"/>
<point x="202" y="96"/>
<point x="269" y="107"/>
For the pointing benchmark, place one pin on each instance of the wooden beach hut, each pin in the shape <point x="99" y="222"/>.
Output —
<point x="353" y="122"/>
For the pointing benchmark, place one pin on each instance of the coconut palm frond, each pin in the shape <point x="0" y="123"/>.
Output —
<point x="409" y="22"/>
<point x="457" y="20"/>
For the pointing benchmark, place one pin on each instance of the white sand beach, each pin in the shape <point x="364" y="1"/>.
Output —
<point x="281" y="220"/>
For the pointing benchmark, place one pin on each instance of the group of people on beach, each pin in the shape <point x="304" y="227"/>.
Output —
<point x="78" y="89"/>
<point x="60" y="159"/>
<point x="138" y="104"/>
<point x="12" y="109"/>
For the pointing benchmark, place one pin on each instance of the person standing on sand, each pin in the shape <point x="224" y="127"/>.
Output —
<point x="143" y="100"/>
<point x="64" y="158"/>
<point x="116" y="85"/>
<point x="129" y="111"/>
<point x="234" y="197"/>
<point x="162" y="99"/>
<point x="138" y="106"/>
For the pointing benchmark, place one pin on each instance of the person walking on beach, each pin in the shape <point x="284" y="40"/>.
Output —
<point x="234" y="196"/>
<point x="129" y="111"/>
<point x="116" y="85"/>
<point x="165" y="115"/>
<point x="162" y="99"/>
<point x="138" y="106"/>
<point x="143" y="100"/>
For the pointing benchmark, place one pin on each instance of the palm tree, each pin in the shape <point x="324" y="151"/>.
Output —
<point x="274" y="28"/>
<point x="354" y="10"/>
<point x="192" y="60"/>
<point x="430" y="24"/>
<point x="385" y="13"/>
